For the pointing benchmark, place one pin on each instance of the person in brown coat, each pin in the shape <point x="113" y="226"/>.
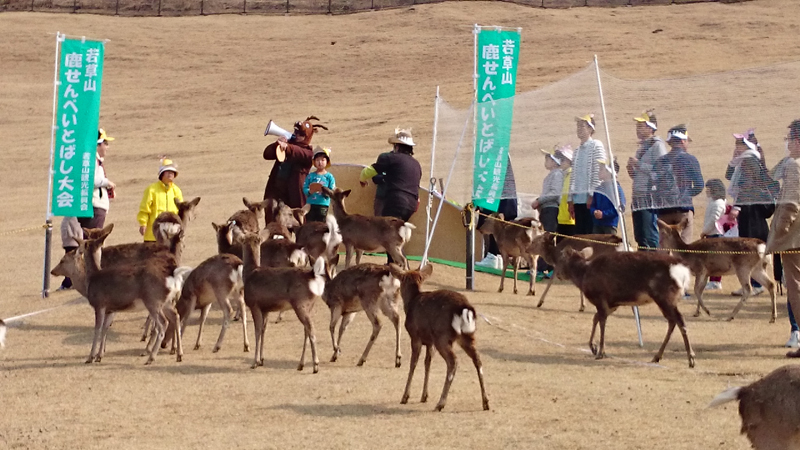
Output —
<point x="293" y="159"/>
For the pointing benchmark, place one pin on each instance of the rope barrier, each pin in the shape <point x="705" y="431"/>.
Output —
<point x="23" y="230"/>
<point x="635" y="246"/>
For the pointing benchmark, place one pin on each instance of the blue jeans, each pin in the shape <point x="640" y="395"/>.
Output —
<point x="645" y="228"/>
<point x="792" y="321"/>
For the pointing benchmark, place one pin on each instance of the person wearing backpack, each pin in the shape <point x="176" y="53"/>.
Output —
<point x="678" y="179"/>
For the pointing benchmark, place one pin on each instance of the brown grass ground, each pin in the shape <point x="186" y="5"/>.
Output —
<point x="201" y="89"/>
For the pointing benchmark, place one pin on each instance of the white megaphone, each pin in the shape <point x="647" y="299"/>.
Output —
<point x="275" y="130"/>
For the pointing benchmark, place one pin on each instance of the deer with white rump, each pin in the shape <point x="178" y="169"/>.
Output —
<point x="744" y="257"/>
<point x="367" y="287"/>
<point x="513" y="241"/>
<point x="276" y="289"/>
<point x="127" y="287"/>
<point x="630" y="279"/>
<point x="367" y="233"/>
<point x="437" y="319"/>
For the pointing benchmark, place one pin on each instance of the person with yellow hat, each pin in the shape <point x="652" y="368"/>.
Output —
<point x="103" y="187"/>
<point x="585" y="174"/>
<point x="159" y="197"/>
<point x="640" y="169"/>
<point x="312" y="187"/>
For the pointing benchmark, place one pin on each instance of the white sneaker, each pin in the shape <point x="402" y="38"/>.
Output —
<point x="498" y="264"/>
<point x="794" y="340"/>
<point x="714" y="286"/>
<point x="756" y="291"/>
<point x="489" y="260"/>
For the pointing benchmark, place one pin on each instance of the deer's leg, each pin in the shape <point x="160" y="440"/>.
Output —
<point x="372" y="314"/>
<point x="700" y="281"/>
<point x="303" y="354"/>
<point x="744" y="278"/>
<point x="226" y="320"/>
<point x="467" y="342"/>
<point x="547" y="289"/>
<point x="99" y="318"/>
<point x="308" y="325"/>
<point x="258" y="325"/>
<point x="242" y="313"/>
<point x="336" y="314"/>
<point x="595" y="320"/>
<point x="601" y="352"/>
<point x="515" y="262"/>
<point x="583" y="303"/>
<point x="348" y="255"/>
<point x="416" y="347"/>
<point x="428" y="358"/>
<point x="160" y="324"/>
<point x="446" y="350"/>
<point x="359" y="254"/>
<point x="682" y="327"/>
<point x="504" y="257"/>
<point x="203" y="316"/>
<point x="532" y="264"/>
<point x="104" y="336"/>
<point x="172" y="317"/>
<point x="347" y="319"/>
<point x="390" y="309"/>
<point x="147" y="326"/>
<point x="760" y="275"/>
<point x="398" y="257"/>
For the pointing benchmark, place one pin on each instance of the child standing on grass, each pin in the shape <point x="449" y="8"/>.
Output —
<point x="547" y="203"/>
<point x="603" y="209"/>
<point x="716" y="212"/>
<point x="159" y="197"/>
<point x="566" y="222"/>
<point x="312" y="188"/>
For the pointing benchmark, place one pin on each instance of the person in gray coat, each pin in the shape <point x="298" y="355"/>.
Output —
<point x="640" y="169"/>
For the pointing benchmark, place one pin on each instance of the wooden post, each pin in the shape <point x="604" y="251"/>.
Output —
<point x="159" y="8"/>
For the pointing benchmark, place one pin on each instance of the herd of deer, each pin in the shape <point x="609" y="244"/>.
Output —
<point x="265" y="250"/>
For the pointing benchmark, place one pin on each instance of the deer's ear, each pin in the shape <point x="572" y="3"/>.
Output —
<point x="195" y="201"/>
<point x="587" y="252"/>
<point x="662" y="224"/>
<point x="501" y="216"/>
<point x="346" y="193"/>
<point x="683" y="224"/>
<point x="426" y="270"/>
<point x="246" y="203"/>
<point x="396" y="270"/>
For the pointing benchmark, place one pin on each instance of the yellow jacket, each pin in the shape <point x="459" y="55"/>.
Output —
<point x="563" y="208"/>
<point x="158" y="198"/>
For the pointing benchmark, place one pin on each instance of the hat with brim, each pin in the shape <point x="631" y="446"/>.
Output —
<point x="552" y="155"/>
<point x="678" y="132"/>
<point x="322" y="151"/>
<point x="402" y="137"/>
<point x="648" y="119"/>
<point x="589" y="119"/>
<point x="745" y="137"/>
<point x="102" y="136"/>
<point x="167" y="165"/>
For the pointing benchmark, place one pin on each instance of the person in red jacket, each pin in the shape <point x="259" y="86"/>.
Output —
<point x="293" y="159"/>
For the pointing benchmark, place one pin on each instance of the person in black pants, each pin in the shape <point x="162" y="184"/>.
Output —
<point x="402" y="174"/>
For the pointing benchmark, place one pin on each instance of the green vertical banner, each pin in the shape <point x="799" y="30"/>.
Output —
<point x="80" y="73"/>
<point x="497" y="57"/>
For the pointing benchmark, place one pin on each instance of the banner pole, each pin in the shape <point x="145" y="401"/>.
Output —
<point x="48" y="234"/>
<point x="432" y="182"/>
<point x="470" y="259"/>
<point x="615" y="189"/>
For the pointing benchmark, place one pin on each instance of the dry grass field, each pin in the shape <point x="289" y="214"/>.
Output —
<point x="201" y="89"/>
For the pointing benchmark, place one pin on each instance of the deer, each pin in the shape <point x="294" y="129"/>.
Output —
<point x="367" y="287"/>
<point x="768" y="408"/>
<point x="124" y="288"/>
<point x="709" y="257"/>
<point x="514" y="241"/>
<point x="218" y="279"/>
<point x="321" y="239"/>
<point x="251" y="218"/>
<point x="546" y="246"/>
<point x="619" y="279"/>
<point x="275" y="289"/>
<point x="366" y="233"/>
<point x="437" y="319"/>
<point x="168" y="224"/>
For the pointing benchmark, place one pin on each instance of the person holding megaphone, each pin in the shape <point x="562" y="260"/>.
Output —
<point x="293" y="156"/>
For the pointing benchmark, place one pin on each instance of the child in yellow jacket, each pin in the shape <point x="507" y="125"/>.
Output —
<point x="159" y="197"/>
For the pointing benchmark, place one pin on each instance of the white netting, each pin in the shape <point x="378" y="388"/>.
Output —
<point x="713" y="107"/>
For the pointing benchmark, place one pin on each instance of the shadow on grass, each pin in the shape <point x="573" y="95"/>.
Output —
<point x="347" y="410"/>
